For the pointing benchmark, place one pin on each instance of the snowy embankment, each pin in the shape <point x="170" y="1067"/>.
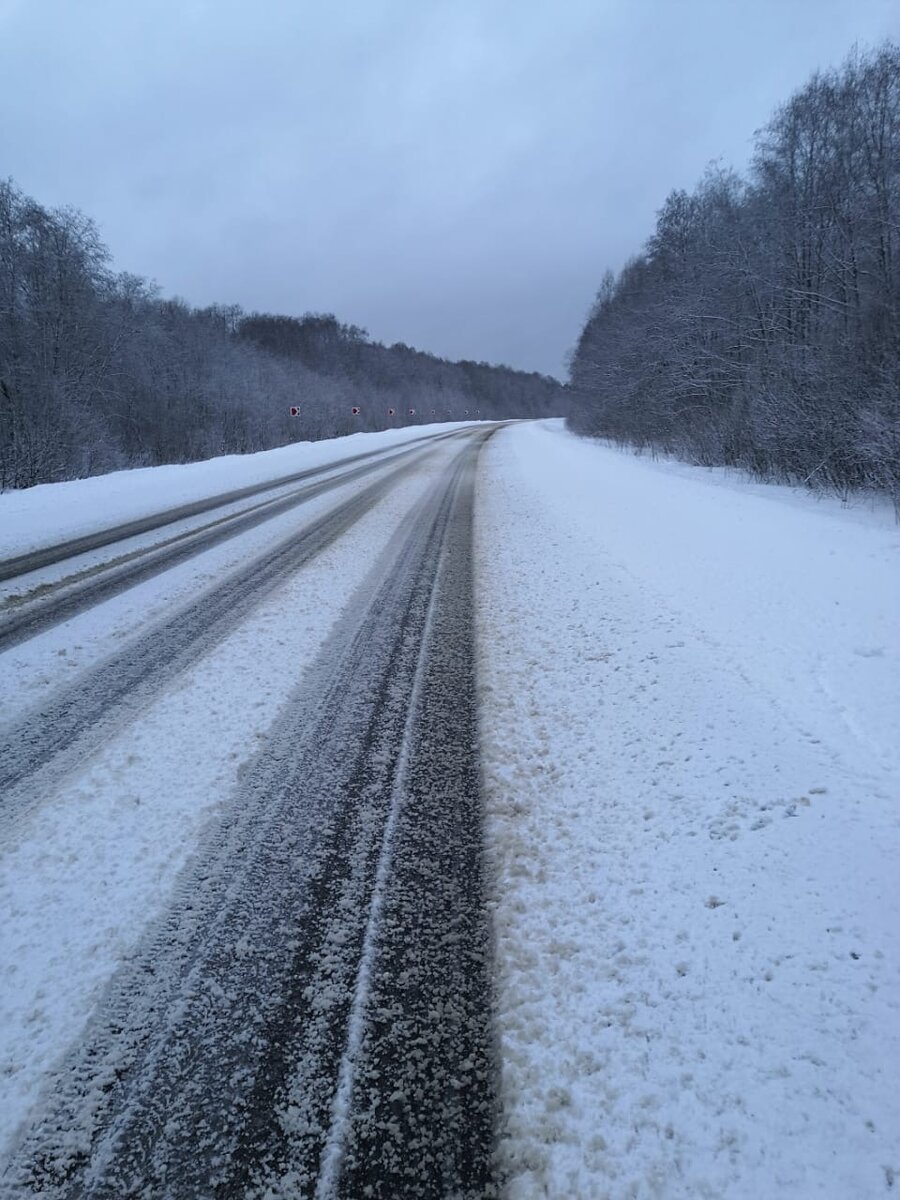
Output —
<point x="690" y="698"/>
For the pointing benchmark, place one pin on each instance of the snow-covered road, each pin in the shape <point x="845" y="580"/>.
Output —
<point x="688" y="703"/>
<point x="152" y="793"/>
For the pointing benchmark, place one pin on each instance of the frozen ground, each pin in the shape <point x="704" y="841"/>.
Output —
<point x="690" y="697"/>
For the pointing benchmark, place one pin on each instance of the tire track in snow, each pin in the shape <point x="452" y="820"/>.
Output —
<point x="54" y="603"/>
<point x="39" y="749"/>
<point x="334" y="933"/>
<point x="419" y="1113"/>
<point x="33" y="560"/>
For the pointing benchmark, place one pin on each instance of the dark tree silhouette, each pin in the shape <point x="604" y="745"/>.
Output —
<point x="97" y="372"/>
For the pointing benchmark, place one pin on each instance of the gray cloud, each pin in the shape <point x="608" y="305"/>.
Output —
<point x="455" y="175"/>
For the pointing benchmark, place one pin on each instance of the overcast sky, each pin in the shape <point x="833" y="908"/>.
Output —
<point x="454" y="174"/>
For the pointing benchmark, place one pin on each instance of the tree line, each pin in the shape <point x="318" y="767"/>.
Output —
<point x="99" y="372"/>
<point x="760" y="325"/>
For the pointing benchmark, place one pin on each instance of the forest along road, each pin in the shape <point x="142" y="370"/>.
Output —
<point x="311" y="1014"/>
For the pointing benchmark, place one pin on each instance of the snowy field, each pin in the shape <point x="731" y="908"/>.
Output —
<point x="690" y="702"/>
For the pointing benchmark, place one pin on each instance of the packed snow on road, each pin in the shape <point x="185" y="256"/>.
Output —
<point x="689" y="692"/>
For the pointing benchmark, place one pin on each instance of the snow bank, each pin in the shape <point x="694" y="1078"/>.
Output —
<point x="690" y="689"/>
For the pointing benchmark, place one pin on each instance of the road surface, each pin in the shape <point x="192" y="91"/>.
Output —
<point x="310" y="1014"/>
